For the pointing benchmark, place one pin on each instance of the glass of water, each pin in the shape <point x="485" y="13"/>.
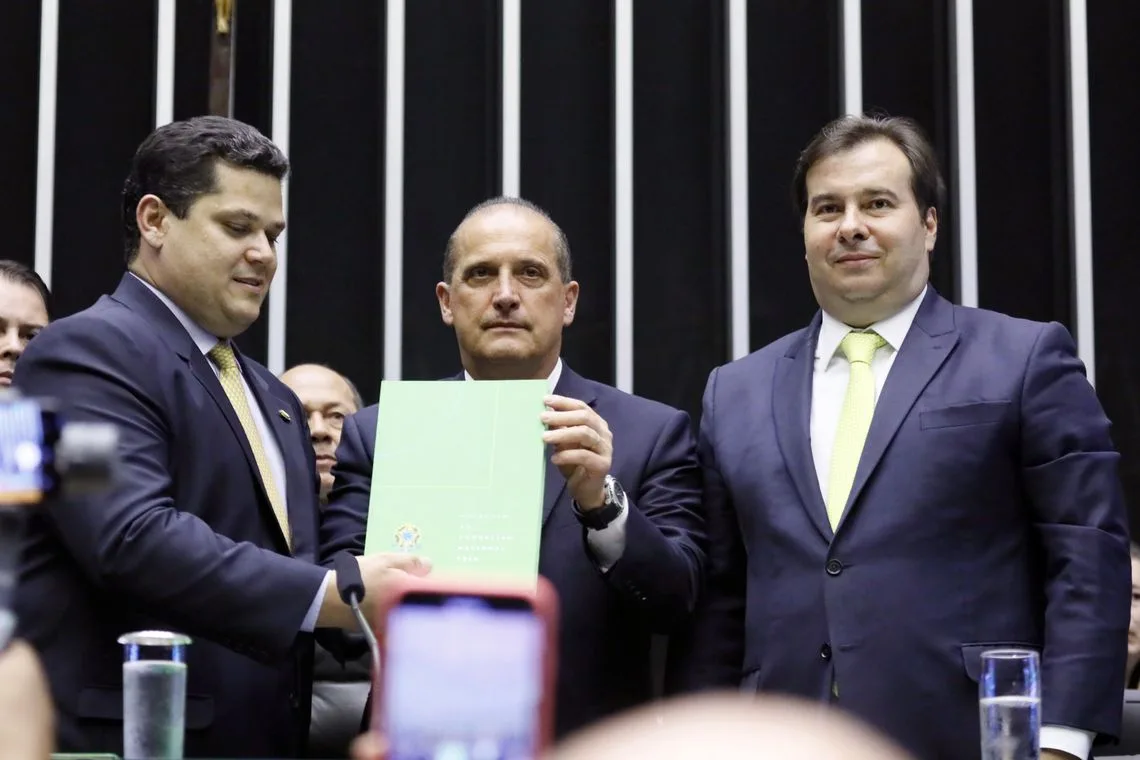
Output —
<point x="154" y="694"/>
<point x="1009" y="696"/>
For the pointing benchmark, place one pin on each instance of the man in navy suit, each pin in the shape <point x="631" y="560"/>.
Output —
<point x="211" y="528"/>
<point x="623" y="536"/>
<point x="879" y="516"/>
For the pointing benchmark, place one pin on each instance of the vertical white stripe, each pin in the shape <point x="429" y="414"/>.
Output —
<point x="1081" y="188"/>
<point x="623" y="192"/>
<point x="164" y="63"/>
<point x="282" y="56"/>
<point x="965" y="161"/>
<point x="45" y="140"/>
<point x="738" y="174"/>
<point x="850" y="11"/>
<point x="394" y="194"/>
<point x="512" y="83"/>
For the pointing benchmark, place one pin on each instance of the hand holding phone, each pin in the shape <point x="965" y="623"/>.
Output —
<point x="467" y="672"/>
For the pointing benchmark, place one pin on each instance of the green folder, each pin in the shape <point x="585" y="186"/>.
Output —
<point x="458" y="477"/>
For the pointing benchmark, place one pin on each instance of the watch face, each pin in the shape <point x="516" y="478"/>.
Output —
<point x="615" y="494"/>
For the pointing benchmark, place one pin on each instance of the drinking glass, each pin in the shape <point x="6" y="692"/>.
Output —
<point x="154" y="694"/>
<point x="1009" y="698"/>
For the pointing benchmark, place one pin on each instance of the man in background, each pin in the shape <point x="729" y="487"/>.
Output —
<point x="23" y="313"/>
<point x="328" y="398"/>
<point x="339" y="689"/>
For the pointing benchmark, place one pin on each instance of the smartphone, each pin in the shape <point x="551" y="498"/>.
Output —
<point x="466" y="672"/>
<point x="28" y="433"/>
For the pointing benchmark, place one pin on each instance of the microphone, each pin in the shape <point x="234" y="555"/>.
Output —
<point x="350" y="587"/>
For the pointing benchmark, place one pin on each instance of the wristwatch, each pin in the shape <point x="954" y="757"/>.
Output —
<point x="612" y="507"/>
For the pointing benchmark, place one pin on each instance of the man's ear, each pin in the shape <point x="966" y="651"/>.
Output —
<point x="153" y="220"/>
<point x="570" y="304"/>
<point x="443" y="295"/>
<point x="931" y="224"/>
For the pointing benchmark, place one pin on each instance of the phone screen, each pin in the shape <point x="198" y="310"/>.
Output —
<point x="27" y="432"/>
<point x="463" y="678"/>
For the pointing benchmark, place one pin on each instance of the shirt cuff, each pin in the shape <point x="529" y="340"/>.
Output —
<point x="310" y="621"/>
<point x="608" y="544"/>
<point x="1064" y="739"/>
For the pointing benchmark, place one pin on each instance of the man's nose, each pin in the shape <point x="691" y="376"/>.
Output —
<point x="318" y="430"/>
<point x="505" y="295"/>
<point x="262" y="251"/>
<point x="853" y="226"/>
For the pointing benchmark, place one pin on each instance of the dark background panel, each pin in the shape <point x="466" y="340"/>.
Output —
<point x="794" y="89"/>
<point x="193" y="28"/>
<point x="253" y="103"/>
<point x="105" y="107"/>
<point x="898" y="31"/>
<point x="567" y="155"/>
<point x="680" y="267"/>
<point x="1114" y="100"/>
<point x="19" y="96"/>
<point x="1022" y="177"/>
<point x="451" y="157"/>
<point x="335" y="309"/>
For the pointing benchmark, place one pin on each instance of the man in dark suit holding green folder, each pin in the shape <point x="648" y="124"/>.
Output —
<point x="623" y="538"/>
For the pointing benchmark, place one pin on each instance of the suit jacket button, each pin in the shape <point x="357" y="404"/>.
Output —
<point x="825" y="651"/>
<point x="834" y="567"/>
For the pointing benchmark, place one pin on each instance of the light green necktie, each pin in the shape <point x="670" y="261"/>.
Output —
<point x="230" y="376"/>
<point x="854" y="420"/>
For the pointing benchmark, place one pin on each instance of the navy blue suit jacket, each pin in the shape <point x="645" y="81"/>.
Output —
<point x="606" y="619"/>
<point x="986" y="511"/>
<point x="187" y="539"/>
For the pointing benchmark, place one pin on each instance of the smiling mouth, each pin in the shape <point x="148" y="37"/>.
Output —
<point x="250" y="282"/>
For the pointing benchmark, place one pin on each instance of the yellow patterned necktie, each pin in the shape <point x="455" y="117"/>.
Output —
<point x="230" y="376"/>
<point x="854" y="420"/>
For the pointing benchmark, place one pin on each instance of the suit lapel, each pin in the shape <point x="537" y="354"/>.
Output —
<point x="791" y="408"/>
<point x="204" y="372"/>
<point x="297" y="492"/>
<point x="571" y="385"/>
<point x="931" y="339"/>
<point x="136" y="296"/>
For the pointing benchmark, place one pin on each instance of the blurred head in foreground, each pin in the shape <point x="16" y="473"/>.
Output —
<point x="730" y="727"/>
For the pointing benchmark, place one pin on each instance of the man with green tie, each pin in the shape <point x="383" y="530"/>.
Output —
<point x="906" y="483"/>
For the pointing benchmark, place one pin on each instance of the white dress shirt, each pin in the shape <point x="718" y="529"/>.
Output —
<point x="205" y="341"/>
<point x="829" y="387"/>
<point x="607" y="544"/>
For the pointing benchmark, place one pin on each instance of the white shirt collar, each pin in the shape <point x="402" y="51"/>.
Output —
<point x="551" y="380"/>
<point x="893" y="329"/>
<point x="201" y="337"/>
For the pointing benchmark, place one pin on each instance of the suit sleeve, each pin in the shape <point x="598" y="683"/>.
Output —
<point x="135" y="541"/>
<point x="660" y="568"/>
<point x="345" y="518"/>
<point x="1069" y="471"/>
<point x="707" y="652"/>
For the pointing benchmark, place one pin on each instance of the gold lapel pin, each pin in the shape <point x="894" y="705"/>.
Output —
<point x="284" y="415"/>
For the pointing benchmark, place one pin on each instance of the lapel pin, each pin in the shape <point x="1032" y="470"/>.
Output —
<point x="284" y="415"/>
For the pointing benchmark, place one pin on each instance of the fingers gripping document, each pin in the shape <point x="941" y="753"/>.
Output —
<point x="458" y="476"/>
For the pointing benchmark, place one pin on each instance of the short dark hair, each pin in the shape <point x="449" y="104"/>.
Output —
<point x="561" y="243"/>
<point x="22" y="274"/>
<point x="850" y="131"/>
<point x="176" y="163"/>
